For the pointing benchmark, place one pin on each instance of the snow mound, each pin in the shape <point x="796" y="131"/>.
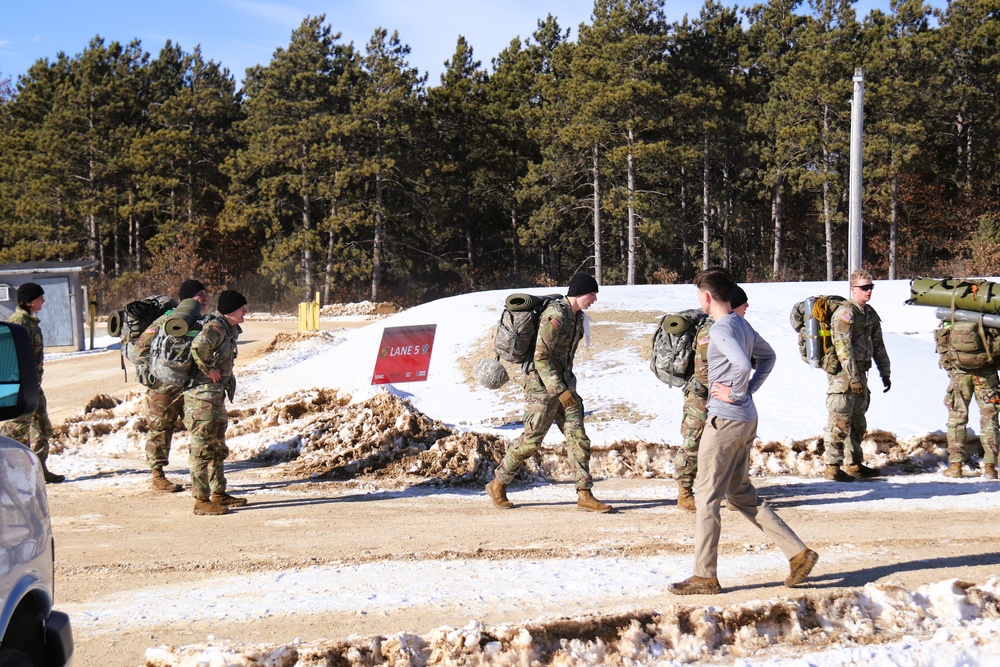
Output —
<point x="950" y="611"/>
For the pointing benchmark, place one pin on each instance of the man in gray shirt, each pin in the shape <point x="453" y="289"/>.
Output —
<point x="724" y="454"/>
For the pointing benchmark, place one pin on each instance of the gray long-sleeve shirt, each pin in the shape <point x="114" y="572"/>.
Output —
<point x="731" y="345"/>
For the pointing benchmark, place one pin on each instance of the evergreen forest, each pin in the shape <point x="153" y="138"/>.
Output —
<point x="637" y="149"/>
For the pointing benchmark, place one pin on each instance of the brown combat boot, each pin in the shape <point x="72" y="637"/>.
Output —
<point x="497" y="491"/>
<point x="685" y="499"/>
<point x="696" y="586"/>
<point x="161" y="483"/>
<point x="227" y="500"/>
<point x="954" y="470"/>
<point x="990" y="470"/>
<point x="51" y="477"/>
<point x="799" y="566"/>
<point x="203" y="506"/>
<point x="586" y="502"/>
<point x="860" y="471"/>
<point x="835" y="474"/>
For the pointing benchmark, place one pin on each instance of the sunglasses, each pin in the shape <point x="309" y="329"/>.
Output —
<point x="866" y="288"/>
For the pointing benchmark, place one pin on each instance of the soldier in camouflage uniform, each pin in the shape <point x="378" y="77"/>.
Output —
<point x="550" y="396"/>
<point x="164" y="404"/>
<point x="34" y="430"/>
<point x="964" y="384"/>
<point x="857" y="339"/>
<point x="695" y="410"/>
<point x="214" y="353"/>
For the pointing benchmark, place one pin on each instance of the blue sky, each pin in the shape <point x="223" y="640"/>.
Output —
<point x="242" y="33"/>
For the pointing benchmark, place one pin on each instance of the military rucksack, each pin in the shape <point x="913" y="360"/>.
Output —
<point x="170" y="362"/>
<point x="964" y="345"/>
<point x="518" y="327"/>
<point x="135" y="318"/>
<point x="673" y="346"/>
<point x="816" y="338"/>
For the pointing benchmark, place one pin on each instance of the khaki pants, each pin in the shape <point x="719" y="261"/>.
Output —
<point x="723" y="463"/>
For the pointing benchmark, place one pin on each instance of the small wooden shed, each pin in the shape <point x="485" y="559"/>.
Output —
<point x="63" y="316"/>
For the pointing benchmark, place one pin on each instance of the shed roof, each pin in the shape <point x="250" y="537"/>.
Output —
<point x="47" y="267"/>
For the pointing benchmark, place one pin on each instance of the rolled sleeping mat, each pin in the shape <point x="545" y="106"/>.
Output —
<point x="520" y="301"/>
<point x="183" y="318"/>
<point x="978" y="296"/>
<point x="678" y="323"/>
<point x="992" y="321"/>
<point x="115" y="322"/>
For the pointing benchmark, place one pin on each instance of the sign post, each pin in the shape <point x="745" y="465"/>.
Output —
<point x="404" y="354"/>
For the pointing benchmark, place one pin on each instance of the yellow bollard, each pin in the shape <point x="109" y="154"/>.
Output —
<point x="309" y="315"/>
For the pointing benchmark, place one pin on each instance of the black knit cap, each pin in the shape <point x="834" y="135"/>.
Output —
<point x="189" y="288"/>
<point x="581" y="284"/>
<point x="28" y="292"/>
<point x="231" y="300"/>
<point x="737" y="298"/>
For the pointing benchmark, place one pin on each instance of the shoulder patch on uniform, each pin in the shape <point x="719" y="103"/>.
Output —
<point x="703" y="339"/>
<point x="555" y="323"/>
<point x="847" y="315"/>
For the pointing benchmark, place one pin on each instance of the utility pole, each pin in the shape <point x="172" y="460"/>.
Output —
<point x="854" y="213"/>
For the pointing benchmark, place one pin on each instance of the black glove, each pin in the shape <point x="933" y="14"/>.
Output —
<point x="886" y="383"/>
<point x="231" y="388"/>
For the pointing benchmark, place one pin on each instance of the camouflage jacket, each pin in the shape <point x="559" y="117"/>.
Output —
<point x="23" y="317"/>
<point x="857" y="338"/>
<point x="559" y="334"/>
<point x="699" y="379"/>
<point x="215" y="347"/>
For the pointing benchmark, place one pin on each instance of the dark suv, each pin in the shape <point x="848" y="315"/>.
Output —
<point x="33" y="635"/>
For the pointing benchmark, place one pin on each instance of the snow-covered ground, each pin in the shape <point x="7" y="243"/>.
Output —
<point x="939" y="624"/>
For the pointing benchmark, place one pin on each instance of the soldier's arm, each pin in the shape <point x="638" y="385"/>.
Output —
<point x="551" y="323"/>
<point x="145" y="341"/>
<point x="879" y="353"/>
<point x="843" y="320"/>
<point x="204" y="346"/>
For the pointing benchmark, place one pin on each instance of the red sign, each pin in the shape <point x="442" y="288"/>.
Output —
<point x="405" y="354"/>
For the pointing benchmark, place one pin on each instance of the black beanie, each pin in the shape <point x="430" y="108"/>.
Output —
<point x="231" y="300"/>
<point x="581" y="284"/>
<point x="737" y="298"/>
<point x="189" y="288"/>
<point x="28" y="292"/>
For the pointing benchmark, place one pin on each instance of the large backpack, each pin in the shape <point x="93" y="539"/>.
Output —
<point x="170" y="360"/>
<point x="673" y="347"/>
<point x="811" y="318"/>
<point x="518" y="327"/>
<point x="135" y="318"/>
<point x="964" y="345"/>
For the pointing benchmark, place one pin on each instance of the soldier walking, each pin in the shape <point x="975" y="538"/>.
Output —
<point x="964" y="383"/>
<point x="163" y="403"/>
<point x="695" y="411"/>
<point x="35" y="430"/>
<point x="214" y="353"/>
<point x="857" y="339"/>
<point x="551" y="396"/>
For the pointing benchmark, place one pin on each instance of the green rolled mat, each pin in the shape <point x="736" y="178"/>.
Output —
<point x="520" y="301"/>
<point x="182" y="318"/>
<point x="676" y="324"/>
<point x="115" y="321"/>
<point x="981" y="296"/>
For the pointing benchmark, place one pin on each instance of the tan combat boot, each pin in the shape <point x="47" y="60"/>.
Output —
<point x="204" y="506"/>
<point x="954" y="470"/>
<point x="227" y="500"/>
<point x="51" y="477"/>
<point x="862" y="471"/>
<point x="696" y="586"/>
<point x="586" y="502"/>
<point x="161" y="483"/>
<point x="497" y="491"/>
<point x="990" y="471"/>
<point x="835" y="474"/>
<point x="685" y="500"/>
<point x="799" y="566"/>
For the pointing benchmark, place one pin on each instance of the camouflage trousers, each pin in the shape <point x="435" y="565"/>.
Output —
<point x="847" y="420"/>
<point x="206" y="420"/>
<point x="963" y="386"/>
<point x="540" y="411"/>
<point x="33" y="431"/>
<point x="163" y="407"/>
<point x="692" y="426"/>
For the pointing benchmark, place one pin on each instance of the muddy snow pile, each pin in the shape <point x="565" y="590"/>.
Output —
<point x="321" y="432"/>
<point x="860" y="624"/>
